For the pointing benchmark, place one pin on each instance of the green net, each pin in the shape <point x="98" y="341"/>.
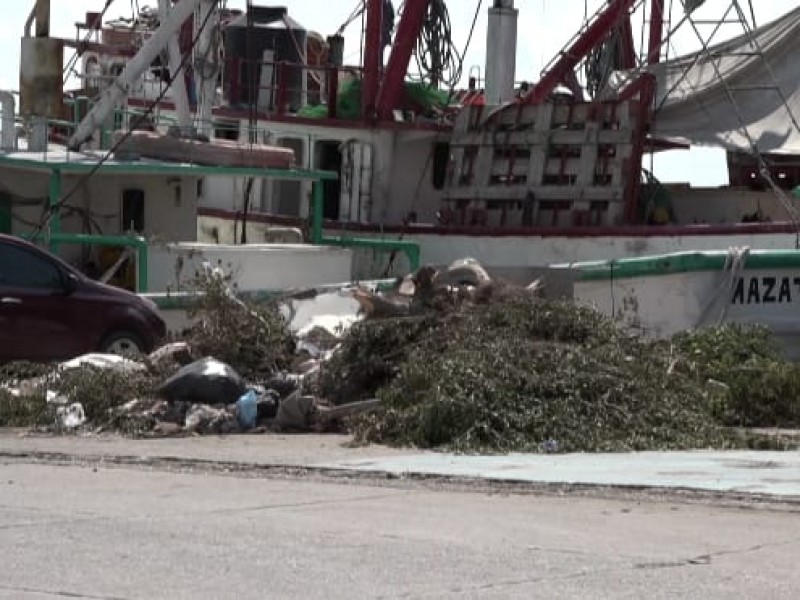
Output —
<point x="349" y="100"/>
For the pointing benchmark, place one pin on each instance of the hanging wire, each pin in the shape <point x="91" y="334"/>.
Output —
<point x="439" y="62"/>
<point x="140" y="118"/>
<point x="752" y="13"/>
<point x="763" y="166"/>
<point x="429" y="160"/>
<point x="358" y="11"/>
<point x="70" y="67"/>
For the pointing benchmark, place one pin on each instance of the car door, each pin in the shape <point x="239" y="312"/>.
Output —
<point x="37" y="317"/>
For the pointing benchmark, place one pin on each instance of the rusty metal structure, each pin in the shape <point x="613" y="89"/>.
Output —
<point x="41" y="72"/>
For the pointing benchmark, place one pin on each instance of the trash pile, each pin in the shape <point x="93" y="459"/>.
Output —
<point x="190" y="386"/>
<point x="445" y="359"/>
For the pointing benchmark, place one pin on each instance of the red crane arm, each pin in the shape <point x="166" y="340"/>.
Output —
<point x="405" y="39"/>
<point x="373" y="56"/>
<point x="593" y="35"/>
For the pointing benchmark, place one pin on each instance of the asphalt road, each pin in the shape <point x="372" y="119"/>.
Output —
<point x="123" y="533"/>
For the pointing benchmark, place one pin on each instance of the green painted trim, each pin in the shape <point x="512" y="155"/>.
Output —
<point x="410" y="249"/>
<point x="133" y="168"/>
<point x="54" y="223"/>
<point x="185" y="300"/>
<point x="679" y="262"/>
<point x="318" y="198"/>
<point x="139" y="243"/>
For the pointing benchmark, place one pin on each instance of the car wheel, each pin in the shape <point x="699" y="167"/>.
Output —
<point x="122" y="343"/>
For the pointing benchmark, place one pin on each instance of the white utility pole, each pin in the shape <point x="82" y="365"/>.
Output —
<point x="179" y="95"/>
<point x="206" y="64"/>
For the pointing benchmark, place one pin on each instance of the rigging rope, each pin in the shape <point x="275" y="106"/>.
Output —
<point x="357" y="12"/>
<point x="69" y="68"/>
<point x="429" y="159"/>
<point x="139" y="120"/>
<point x="754" y="150"/>
<point x="439" y="62"/>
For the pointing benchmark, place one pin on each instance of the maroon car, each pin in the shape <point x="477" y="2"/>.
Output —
<point x="50" y="311"/>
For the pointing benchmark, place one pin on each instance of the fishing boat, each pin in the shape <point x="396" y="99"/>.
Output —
<point x="659" y="296"/>
<point x="515" y="175"/>
<point x="389" y="171"/>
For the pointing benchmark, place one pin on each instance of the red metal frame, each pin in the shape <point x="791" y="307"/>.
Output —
<point x="617" y="14"/>
<point x="337" y="123"/>
<point x="628" y="46"/>
<point x="647" y="87"/>
<point x="408" y="31"/>
<point x="656" y="32"/>
<point x="581" y="232"/>
<point x="373" y="62"/>
<point x="646" y="84"/>
<point x="592" y="37"/>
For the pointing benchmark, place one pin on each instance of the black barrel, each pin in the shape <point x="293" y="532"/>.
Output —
<point x="272" y="29"/>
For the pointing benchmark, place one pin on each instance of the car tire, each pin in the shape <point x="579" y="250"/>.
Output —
<point x="122" y="343"/>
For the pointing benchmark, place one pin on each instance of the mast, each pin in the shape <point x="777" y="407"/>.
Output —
<point x="178" y="80"/>
<point x="373" y="62"/>
<point x="206" y="63"/>
<point x="405" y="39"/>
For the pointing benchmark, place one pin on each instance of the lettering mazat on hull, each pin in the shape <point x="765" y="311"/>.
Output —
<point x="765" y="290"/>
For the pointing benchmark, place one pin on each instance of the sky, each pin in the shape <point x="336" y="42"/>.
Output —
<point x="545" y="26"/>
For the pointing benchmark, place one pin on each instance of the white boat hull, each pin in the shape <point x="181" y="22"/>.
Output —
<point x="763" y="288"/>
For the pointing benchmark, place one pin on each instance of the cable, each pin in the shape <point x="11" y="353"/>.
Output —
<point x="438" y="58"/>
<point x="252" y="119"/>
<point x="357" y="12"/>
<point x="77" y="54"/>
<point x="752" y="13"/>
<point x="429" y="160"/>
<point x="45" y="222"/>
<point x="755" y="151"/>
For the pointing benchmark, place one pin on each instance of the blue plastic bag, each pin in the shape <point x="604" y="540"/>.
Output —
<point x="247" y="409"/>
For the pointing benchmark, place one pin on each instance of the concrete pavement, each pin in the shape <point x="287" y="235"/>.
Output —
<point x="128" y="533"/>
<point x="763" y="474"/>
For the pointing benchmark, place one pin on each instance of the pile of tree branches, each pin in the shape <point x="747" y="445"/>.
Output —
<point x="526" y="374"/>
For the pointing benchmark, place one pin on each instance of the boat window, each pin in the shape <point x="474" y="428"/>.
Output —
<point x="441" y="161"/>
<point x="329" y="158"/>
<point x="133" y="210"/>
<point x="227" y="130"/>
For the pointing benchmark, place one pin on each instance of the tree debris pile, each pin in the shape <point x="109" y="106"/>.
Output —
<point x="536" y="375"/>
<point x="447" y="359"/>
<point x="755" y="386"/>
<point x="252" y="336"/>
<point x="370" y="357"/>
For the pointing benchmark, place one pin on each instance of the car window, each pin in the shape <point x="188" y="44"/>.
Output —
<point x="24" y="269"/>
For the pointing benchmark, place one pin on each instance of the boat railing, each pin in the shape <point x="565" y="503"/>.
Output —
<point x="282" y="87"/>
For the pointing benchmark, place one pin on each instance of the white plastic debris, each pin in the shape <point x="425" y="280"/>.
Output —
<point x="104" y="361"/>
<point x="55" y="398"/>
<point x="72" y="416"/>
<point x="179" y="352"/>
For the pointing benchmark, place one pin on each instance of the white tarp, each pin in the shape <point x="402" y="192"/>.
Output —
<point x="693" y="105"/>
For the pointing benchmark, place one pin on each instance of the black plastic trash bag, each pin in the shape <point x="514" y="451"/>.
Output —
<point x="206" y="381"/>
